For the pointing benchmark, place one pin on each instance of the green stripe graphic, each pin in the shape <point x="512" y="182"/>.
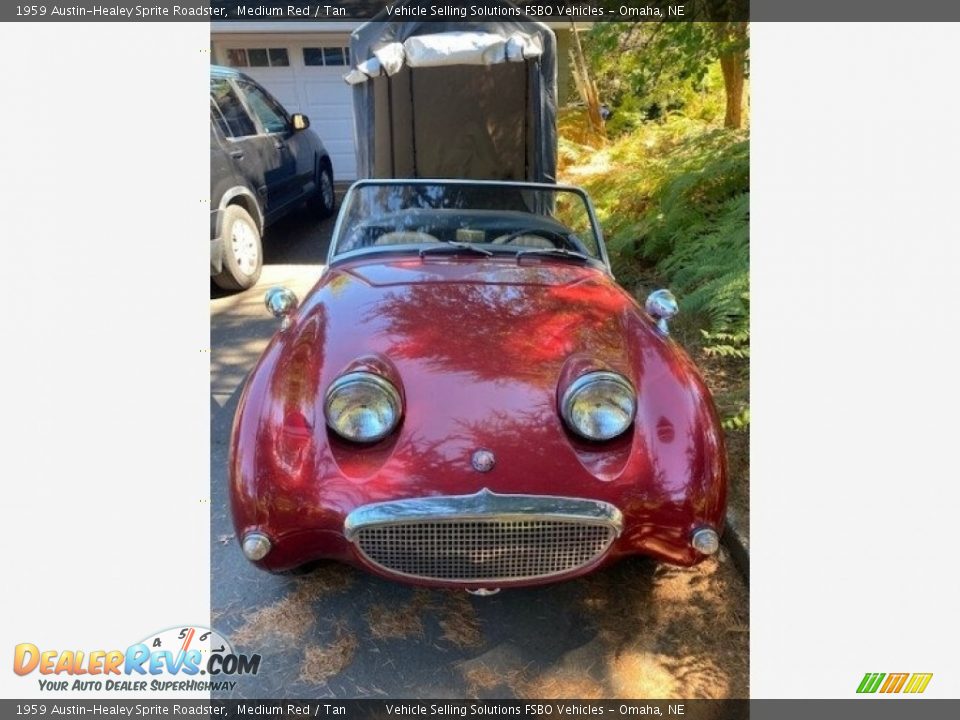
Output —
<point x="870" y="682"/>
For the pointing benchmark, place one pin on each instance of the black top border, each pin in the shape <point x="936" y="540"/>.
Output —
<point x="558" y="11"/>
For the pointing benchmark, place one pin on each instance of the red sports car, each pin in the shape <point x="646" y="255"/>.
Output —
<point x="468" y="399"/>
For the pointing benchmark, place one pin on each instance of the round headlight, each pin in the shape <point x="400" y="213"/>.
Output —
<point x="362" y="407"/>
<point x="599" y="405"/>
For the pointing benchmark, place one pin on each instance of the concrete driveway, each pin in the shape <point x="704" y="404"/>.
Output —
<point x="636" y="630"/>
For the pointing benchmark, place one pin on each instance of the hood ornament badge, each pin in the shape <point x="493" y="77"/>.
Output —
<point x="483" y="460"/>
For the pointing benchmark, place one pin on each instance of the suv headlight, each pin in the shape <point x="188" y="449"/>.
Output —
<point x="599" y="405"/>
<point x="362" y="407"/>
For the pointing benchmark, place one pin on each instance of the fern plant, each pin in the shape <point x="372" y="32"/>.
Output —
<point x="733" y="345"/>
<point x="674" y="200"/>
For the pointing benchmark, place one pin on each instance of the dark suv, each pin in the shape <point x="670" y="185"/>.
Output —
<point x="264" y="163"/>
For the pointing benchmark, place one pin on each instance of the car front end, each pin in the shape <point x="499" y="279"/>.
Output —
<point x="473" y="419"/>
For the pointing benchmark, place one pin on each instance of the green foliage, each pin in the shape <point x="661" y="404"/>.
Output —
<point x="702" y="247"/>
<point x="737" y="421"/>
<point x="675" y="206"/>
<point x="672" y="188"/>
<point x="674" y="202"/>
<point x="732" y="351"/>
<point x="658" y="62"/>
<point x="649" y="71"/>
<point x="727" y="344"/>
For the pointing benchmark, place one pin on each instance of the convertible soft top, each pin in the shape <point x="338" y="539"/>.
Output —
<point x="436" y="98"/>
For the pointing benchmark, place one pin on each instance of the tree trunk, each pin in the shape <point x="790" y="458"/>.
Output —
<point x="585" y="85"/>
<point x="733" y="59"/>
<point x="731" y="62"/>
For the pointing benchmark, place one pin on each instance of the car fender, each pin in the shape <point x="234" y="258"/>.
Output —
<point x="250" y="201"/>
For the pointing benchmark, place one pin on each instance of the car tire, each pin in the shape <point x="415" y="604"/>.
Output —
<point x="308" y="568"/>
<point x="326" y="199"/>
<point x="242" y="250"/>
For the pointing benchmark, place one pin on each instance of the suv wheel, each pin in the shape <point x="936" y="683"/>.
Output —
<point x="326" y="198"/>
<point x="242" y="250"/>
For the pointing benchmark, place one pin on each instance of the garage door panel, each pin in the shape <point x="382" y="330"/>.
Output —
<point x="341" y="112"/>
<point x="335" y="144"/>
<point x="342" y="116"/>
<point x="334" y="88"/>
<point x="329" y="104"/>
<point x="339" y="147"/>
<point x="321" y="117"/>
<point x="317" y="91"/>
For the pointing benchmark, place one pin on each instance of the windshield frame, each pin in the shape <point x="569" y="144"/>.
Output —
<point x="334" y="258"/>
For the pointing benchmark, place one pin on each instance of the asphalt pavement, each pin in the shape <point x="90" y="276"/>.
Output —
<point x="635" y="630"/>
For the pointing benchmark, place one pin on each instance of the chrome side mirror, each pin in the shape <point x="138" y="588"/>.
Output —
<point x="281" y="302"/>
<point x="661" y="305"/>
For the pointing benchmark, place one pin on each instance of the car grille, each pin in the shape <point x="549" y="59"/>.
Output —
<point x="484" y="550"/>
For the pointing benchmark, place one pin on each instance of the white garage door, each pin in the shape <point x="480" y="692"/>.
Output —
<point x="305" y="73"/>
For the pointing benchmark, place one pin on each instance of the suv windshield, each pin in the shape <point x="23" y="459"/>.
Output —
<point x="488" y="217"/>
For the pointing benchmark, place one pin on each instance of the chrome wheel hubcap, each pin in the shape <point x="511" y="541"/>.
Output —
<point x="244" y="243"/>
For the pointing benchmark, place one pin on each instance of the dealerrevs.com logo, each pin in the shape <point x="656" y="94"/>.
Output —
<point x="181" y="659"/>
<point x="910" y="683"/>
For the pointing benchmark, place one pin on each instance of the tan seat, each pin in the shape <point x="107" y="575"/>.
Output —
<point x="406" y="237"/>
<point x="532" y="241"/>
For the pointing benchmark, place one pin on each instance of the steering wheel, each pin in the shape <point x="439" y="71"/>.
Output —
<point x="559" y="239"/>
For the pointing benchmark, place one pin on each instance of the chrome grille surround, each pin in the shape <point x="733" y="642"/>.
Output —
<point x="483" y="538"/>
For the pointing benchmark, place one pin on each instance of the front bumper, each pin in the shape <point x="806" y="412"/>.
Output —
<point x="481" y="540"/>
<point x="484" y="539"/>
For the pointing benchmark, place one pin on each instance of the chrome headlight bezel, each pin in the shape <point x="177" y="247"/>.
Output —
<point x="617" y="382"/>
<point x="365" y="379"/>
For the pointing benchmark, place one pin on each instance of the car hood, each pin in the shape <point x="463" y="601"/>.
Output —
<point x="478" y="348"/>
<point x="485" y="334"/>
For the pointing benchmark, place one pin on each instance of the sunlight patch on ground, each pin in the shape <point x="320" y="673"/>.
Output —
<point x="324" y="661"/>
<point x="388" y="621"/>
<point x="293" y="617"/>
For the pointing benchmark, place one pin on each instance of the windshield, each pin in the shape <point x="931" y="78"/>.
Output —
<point x="486" y="217"/>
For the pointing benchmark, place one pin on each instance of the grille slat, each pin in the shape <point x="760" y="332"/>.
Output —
<point x="480" y="550"/>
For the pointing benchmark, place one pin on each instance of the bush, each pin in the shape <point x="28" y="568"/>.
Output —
<point x="674" y="201"/>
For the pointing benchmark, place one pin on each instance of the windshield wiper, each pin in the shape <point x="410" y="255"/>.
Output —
<point x="553" y="251"/>
<point x="445" y="244"/>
